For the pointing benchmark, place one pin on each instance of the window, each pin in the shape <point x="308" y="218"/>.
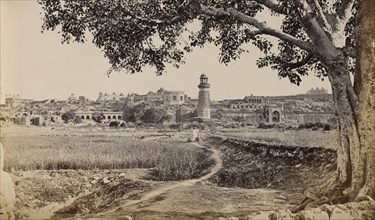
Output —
<point x="174" y="98"/>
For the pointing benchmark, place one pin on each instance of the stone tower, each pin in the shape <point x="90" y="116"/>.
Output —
<point x="204" y="98"/>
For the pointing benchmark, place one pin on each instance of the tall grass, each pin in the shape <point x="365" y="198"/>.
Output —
<point x="170" y="160"/>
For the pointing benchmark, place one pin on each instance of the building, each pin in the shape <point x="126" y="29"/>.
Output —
<point x="13" y="100"/>
<point x="317" y="91"/>
<point x="82" y="100"/>
<point x="203" y="108"/>
<point x="72" y="98"/>
<point x="173" y="98"/>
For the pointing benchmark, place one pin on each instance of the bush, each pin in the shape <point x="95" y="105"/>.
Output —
<point x="98" y="117"/>
<point x="266" y="126"/>
<point x="67" y="116"/>
<point x="77" y="119"/>
<point x="114" y="124"/>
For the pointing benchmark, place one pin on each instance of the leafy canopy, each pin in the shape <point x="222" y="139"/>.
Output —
<point x="138" y="33"/>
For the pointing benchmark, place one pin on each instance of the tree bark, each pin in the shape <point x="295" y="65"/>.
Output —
<point x="355" y="109"/>
<point x="365" y="88"/>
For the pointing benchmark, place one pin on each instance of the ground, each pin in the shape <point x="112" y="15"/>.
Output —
<point x="115" y="193"/>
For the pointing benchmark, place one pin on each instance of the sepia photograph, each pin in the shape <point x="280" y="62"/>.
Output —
<point x="187" y="109"/>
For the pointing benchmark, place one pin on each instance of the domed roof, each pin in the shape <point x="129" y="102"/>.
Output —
<point x="203" y="76"/>
<point x="161" y="90"/>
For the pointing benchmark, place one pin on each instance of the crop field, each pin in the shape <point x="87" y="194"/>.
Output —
<point x="302" y="138"/>
<point x="55" y="150"/>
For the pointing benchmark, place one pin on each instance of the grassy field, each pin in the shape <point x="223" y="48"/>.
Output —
<point x="302" y="138"/>
<point x="43" y="149"/>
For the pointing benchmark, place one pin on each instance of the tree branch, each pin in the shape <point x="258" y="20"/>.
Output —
<point x="299" y="63"/>
<point x="271" y="4"/>
<point x="262" y="26"/>
<point x="345" y="9"/>
<point x="321" y="16"/>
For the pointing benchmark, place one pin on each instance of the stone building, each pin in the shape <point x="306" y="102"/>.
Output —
<point x="204" y="110"/>
<point x="173" y="98"/>
<point x="72" y="98"/>
<point x="317" y="91"/>
<point x="107" y="97"/>
<point x="273" y="114"/>
<point x="13" y="100"/>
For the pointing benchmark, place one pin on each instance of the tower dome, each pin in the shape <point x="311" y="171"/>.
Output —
<point x="203" y="82"/>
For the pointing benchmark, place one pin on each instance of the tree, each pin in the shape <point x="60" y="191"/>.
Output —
<point x="67" y="116"/>
<point x="316" y="35"/>
<point x="98" y="117"/>
<point x="154" y="116"/>
<point x="77" y="119"/>
<point x="134" y="113"/>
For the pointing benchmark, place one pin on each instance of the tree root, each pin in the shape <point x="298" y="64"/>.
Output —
<point x="326" y="192"/>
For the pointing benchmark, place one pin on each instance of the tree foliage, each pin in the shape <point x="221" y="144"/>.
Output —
<point x="146" y="113"/>
<point x="98" y="117"/>
<point x="133" y="34"/>
<point x="68" y="116"/>
<point x="154" y="116"/>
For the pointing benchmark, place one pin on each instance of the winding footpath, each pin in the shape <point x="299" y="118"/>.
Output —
<point x="185" y="183"/>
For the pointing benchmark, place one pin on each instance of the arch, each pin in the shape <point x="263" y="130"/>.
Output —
<point x="119" y="117"/>
<point x="275" y="116"/>
<point x="108" y="117"/>
<point x="2" y="119"/>
<point x="24" y="114"/>
<point x="82" y="117"/>
<point x="87" y="116"/>
<point x="174" y="98"/>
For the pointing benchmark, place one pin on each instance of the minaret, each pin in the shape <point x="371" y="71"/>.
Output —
<point x="204" y="98"/>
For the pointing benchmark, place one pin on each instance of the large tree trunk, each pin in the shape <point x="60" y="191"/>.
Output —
<point x="365" y="88"/>
<point x="355" y="110"/>
<point x="345" y="100"/>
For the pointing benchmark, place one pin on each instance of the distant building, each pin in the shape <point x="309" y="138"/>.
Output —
<point x="173" y="98"/>
<point x="82" y="100"/>
<point x="13" y="100"/>
<point x="72" y="98"/>
<point x="204" y="110"/>
<point x="317" y="91"/>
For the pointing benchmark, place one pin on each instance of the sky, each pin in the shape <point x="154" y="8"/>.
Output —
<point x="37" y="66"/>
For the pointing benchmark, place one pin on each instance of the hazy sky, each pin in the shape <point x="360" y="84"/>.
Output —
<point x="38" y="66"/>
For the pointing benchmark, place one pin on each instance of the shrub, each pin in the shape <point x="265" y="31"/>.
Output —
<point x="67" y="116"/>
<point x="114" y="124"/>
<point x="77" y="119"/>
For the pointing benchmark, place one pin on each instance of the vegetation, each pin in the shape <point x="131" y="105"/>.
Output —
<point x="303" y="138"/>
<point x="77" y="119"/>
<point x="62" y="150"/>
<point x="98" y="117"/>
<point x="68" y="116"/>
<point x="314" y="36"/>
<point x="154" y="116"/>
<point x="145" y="113"/>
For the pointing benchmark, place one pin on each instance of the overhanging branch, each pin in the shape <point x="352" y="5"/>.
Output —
<point x="271" y="4"/>
<point x="261" y="26"/>
<point x="299" y="63"/>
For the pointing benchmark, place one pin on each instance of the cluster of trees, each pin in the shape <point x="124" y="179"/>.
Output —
<point x="70" y="116"/>
<point x="334" y="39"/>
<point x="145" y="114"/>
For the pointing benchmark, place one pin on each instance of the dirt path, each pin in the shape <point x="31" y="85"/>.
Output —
<point x="158" y="191"/>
